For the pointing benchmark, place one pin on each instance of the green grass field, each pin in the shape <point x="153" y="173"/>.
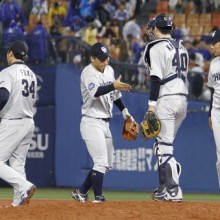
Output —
<point x="65" y="194"/>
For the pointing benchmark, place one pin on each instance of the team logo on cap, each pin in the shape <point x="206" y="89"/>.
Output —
<point x="104" y="50"/>
<point x="213" y="34"/>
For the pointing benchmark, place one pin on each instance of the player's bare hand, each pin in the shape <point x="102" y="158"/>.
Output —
<point x="121" y="86"/>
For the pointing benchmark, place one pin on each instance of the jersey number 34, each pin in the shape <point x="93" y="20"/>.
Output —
<point x="28" y="89"/>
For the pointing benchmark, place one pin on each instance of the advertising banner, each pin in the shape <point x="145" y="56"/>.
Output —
<point x="40" y="158"/>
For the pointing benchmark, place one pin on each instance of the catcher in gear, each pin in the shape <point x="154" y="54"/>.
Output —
<point x="167" y="60"/>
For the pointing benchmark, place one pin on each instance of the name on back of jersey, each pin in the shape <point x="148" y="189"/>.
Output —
<point x="26" y="72"/>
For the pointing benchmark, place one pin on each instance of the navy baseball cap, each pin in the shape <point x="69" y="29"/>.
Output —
<point x="214" y="38"/>
<point x="19" y="48"/>
<point x="99" y="51"/>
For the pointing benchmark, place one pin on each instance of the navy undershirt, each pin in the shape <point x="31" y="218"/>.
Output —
<point x="102" y="90"/>
<point x="4" y="96"/>
<point x="155" y="83"/>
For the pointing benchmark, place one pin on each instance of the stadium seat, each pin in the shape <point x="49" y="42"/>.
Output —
<point x="196" y="31"/>
<point x="162" y="6"/>
<point x="192" y="19"/>
<point x="179" y="19"/>
<point x="216" y="20"/>
<point x="205" y="19"/>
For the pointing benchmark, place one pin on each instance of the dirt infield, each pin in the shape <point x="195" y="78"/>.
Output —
<point x="111" y="210"/>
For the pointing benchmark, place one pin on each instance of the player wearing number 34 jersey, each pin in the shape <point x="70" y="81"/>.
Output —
<point x="17" y="98"/>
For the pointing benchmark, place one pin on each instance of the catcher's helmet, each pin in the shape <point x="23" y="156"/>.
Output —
<point x="160" y="21"/>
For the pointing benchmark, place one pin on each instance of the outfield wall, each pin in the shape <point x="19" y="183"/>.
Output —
<point x="58" y="156"/>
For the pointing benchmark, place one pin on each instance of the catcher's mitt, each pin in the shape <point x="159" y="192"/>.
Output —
<point x="130" y="129"/>
<point x="150" y="126"/>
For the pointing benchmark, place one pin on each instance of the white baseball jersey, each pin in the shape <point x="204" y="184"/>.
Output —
<point x="17" y="126"/>
<point x="91" y="79"/>
<point x="214" y="81"/>
<point x="163" y="63"/>
<point x="21" y="83"/>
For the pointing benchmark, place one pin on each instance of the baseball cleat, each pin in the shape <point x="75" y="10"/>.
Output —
<point x="79" y="196"/>
<point x="99" y="199"/>
<point x="171" y="195"/>
<point x="26" y="197"/>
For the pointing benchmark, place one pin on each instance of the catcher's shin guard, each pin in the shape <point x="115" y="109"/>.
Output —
<point x="169" y="170"/>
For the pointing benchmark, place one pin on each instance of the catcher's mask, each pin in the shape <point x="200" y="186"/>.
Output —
<point x="161" y="21"/>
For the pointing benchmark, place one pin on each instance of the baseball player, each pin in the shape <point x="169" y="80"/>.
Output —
<point x="18" y="86"/>
<point x="99" y="91"/>
<point x="167" y="60"/>
<point x="214" y="85"/>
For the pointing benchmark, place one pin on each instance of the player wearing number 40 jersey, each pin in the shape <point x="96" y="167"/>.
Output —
<point x="17" y="98"/>
<point x="168" y="62"/>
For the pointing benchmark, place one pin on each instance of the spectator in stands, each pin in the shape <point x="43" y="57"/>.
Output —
<point x="134" y="52"/>
<point x="138" y="7"/>
<point x="121" y="16"/>
<point x="107" y="31"/>
<point x="65" y="47"/>
<point x="185" y="32"/>
<point x="203" y="49"/>
<point x="198" y="6"/>
<point x="55" y="39"/>
<point x="172" y="5"/>
<point x="87" y="9"/>
<point x="196" y="62"/>
<point x="57" y="13"/>
<point x="131" y="27"/>
<point x="39" y="7"/>
<point x="134" y="49"/>
<point x="130" y="6"/>
<point x="143" y="72"/>
<point x="15" y="31"/>
<point x="38" y="44"/>
<point x="123" y="52"/>
<point x="110" y="8"/>
<point x="77" y="24"/>
<point x="72" y="11"/>
<point x="198" y="46"/>
<point x="208" y="6"/>
<point x="177" y="6"/>
<point x="90" y="34"/>
<point x="10" y="10"/>
<point x="216" y="5"/>
<point x="26" y="7"/>
<point x="123" y="56"/>
<point x="103" y="15"/>
<point x="197" y="88"/>
<point x="177" y="33"/>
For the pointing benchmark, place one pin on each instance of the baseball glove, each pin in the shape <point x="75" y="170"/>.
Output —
<point x="150" y="126"/>
<point x="130" y="129"/>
